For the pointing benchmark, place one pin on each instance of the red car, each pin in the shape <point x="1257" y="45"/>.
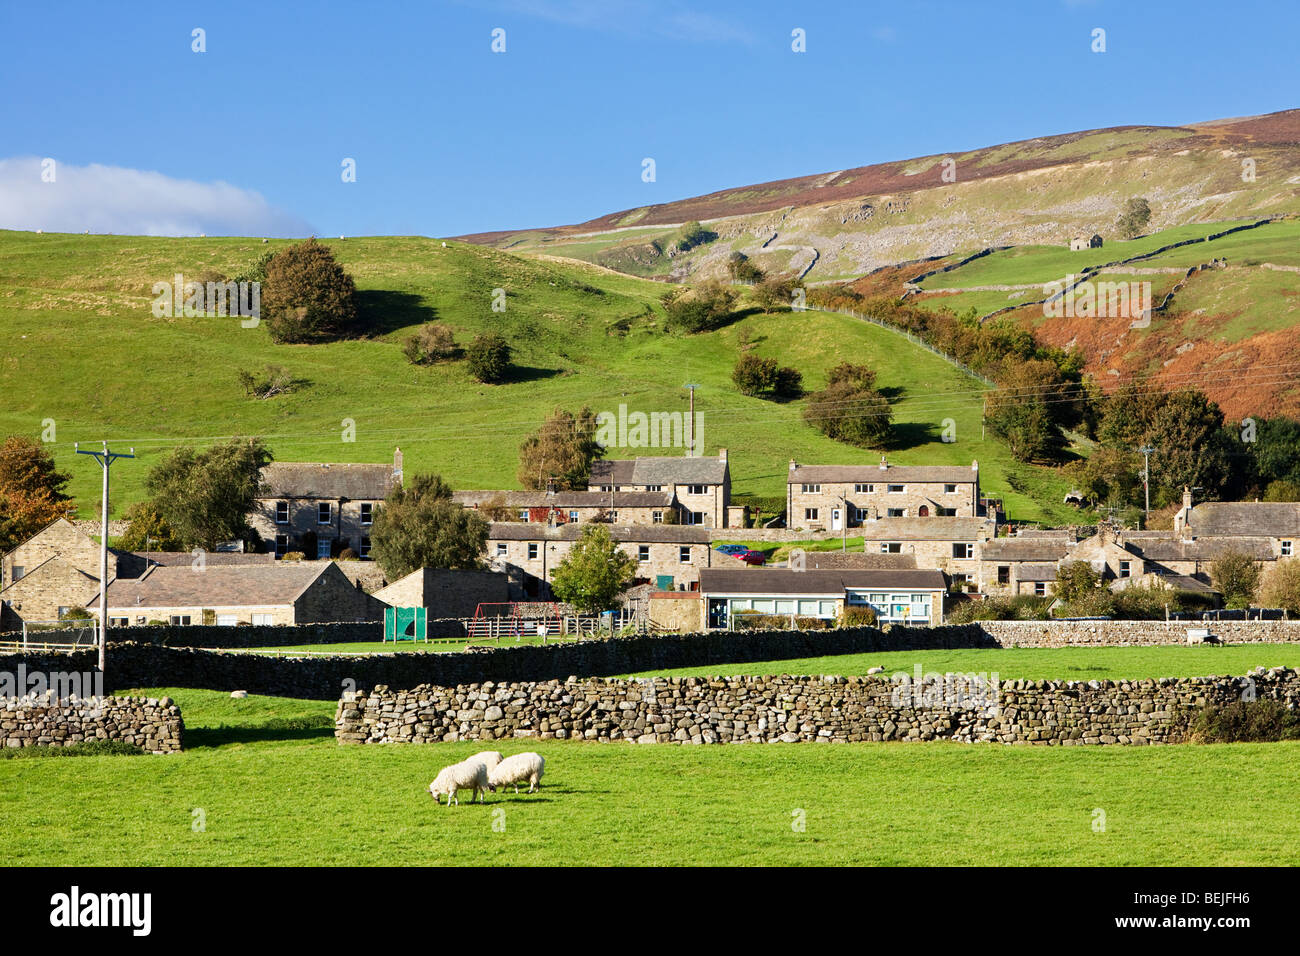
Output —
<point x="752" y="557"/>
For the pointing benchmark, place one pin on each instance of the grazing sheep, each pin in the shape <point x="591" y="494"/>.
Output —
<point x="467" y="775"/>
<point x="517" y="768"/>
<point x="490" y="758"/>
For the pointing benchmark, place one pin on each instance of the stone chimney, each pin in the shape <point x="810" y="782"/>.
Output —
<point x="975" y="465"/>
<point x="397" y="466"/>
<point x="1183" y="513"/>
<point x="722" y="455"/>
<point x="884" y="464"/>
<point x="793" y="464"/>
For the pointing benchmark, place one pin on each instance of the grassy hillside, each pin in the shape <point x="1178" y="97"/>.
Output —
<point x="1230" y="330"/>
<point x="1035" y="192"/>
<point x="85" y="352"/>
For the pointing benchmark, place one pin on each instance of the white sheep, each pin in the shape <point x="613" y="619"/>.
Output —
<point x="467" y="775"/>
<point x="516" y="769"/>
<point x="490" y="758"/>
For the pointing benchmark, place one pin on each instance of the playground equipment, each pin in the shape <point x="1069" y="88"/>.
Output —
<point x="515" y="619"/>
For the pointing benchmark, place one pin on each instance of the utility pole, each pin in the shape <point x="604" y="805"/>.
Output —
<point x="1146" y="451"/>
<point x="105" y="459"/>
<point x="691" y="450"/>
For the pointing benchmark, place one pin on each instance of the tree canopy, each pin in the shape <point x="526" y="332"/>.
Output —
<point x="560" y="452"/>
<point x="419" y="526"/>
<point x="594" y="572"/>
<point x="31" y="490"/>
<point x="205" y="497"/>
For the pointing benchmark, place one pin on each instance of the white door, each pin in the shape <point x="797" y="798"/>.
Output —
<point x="837" y="520"/>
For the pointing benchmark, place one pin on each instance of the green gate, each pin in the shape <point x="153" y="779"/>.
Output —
<point x="406" y="624"/>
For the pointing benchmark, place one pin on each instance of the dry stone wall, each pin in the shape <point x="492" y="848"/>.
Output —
<point x="1134" y="633"/>
<point x="152" y="724"/>
<point x="795" y="709"/>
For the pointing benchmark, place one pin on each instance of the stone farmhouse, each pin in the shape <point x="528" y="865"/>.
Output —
<point x="285" y="592"/>
<point x="951" y="545"/>
<point x="668" y="556"/>
<point x="578" y="507"/>
<point x="57" y="569"/>
<point x="897" y="596"/>
<point x="699" y="488"/>
<point x="321" y="509"/>
<point x="1079" y="243"/>
<point x="833" y="497"/>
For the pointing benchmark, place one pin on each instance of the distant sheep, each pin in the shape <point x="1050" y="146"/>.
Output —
<point x="490" y="758"/>
<point x="467" y="775"/>
<point x="516" y="769"/>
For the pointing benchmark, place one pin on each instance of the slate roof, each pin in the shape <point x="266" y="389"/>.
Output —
<point x="659" y="471"/>
<point x="1247" y="518"/>
<point x="1170" y="547"/>
<point x="290" y="479"/>
<point x="634" y="534"/>
<point x="132" y="564"/>
<point x="835" y="582"/>
<point x="857" y="560"/>
<point x="1024" y="549"/>
<point x="874" y="474"/>
<point x="925" y="529"/>
<point x="1034" y="572"/>
<point x="276" y="585"/>
<point x="566" y="499"/>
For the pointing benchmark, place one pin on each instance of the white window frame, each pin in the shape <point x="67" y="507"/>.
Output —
<point x="1287" y="549"/>
<point x="503" y="549"/>
<point x="812" y="489"/>
<point x="281" y="544"/>
<point x="810" y="514"/>
<point x="363" y="549"/>
<point x="534" y="551"/>
<point x="263" y="619"/>
<point x="326" y="508"/>
<point x="697" y="489"/>
<point x="657" y="517"/>
<point x="367" y="513"/>
<point x="282" y="506"/>
<point x="891" y="547"/>
<point x="643" y="552"/>
<point x="895" y="489"/>
<point x="684" y="554"/>
<point x="864" y="489"/>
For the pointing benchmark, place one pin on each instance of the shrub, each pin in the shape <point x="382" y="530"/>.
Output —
<point x="1246" y="721"/>
<point x="488" y="357"/>
<point x="699" y="309"/>
<point x="274" y="380"/>
<point x="432" y="343"/>
<point x="292" y="556"/>
<point x="1020" y="607"/>
<point x="775" y="293"/>
<point x="1281" y="586"/>
<point x="1236" y="575"/>
<point x="307" y="296"/>
<point x="850" y="409"/>
<point x="347" y="554"/>
<point x="741" y="268"/>
<point x="853" y="616"/>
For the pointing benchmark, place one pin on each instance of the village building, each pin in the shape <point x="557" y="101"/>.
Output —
<point x="834" y="497"/>
<point x="577" y="507"/>
<point x="321" y="509"/>
<point x="1079" y="243"/>
<point x="56" y="571"/>
<point x="283" y="593"/>
<point x="698" y="487"/>
<point x="447" y="593"/>
<point x="669" y="557"/>
<point x="951" y="545"/>
<point x="901" y="596"/>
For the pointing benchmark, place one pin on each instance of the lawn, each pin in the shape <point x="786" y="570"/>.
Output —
<point x="582" y="336"/>
<point x="1022" y="663"/>
<point x="264" y="783"/>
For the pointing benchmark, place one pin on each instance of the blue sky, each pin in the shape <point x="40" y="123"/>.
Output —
<point x="449" y="137"/>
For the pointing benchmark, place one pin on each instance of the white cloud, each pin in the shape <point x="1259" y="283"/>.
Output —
<point x="114" y="199"/>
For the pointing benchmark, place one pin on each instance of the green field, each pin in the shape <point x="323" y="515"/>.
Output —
<point x="86" y="355"/>
<point x="1038" y="264"/>
<point x="263" y="783"/>
<point x="1022" y="663"/>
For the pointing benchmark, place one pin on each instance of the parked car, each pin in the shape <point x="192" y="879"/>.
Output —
<point x="753" y="557"/>
<point x="735" y="550"/>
